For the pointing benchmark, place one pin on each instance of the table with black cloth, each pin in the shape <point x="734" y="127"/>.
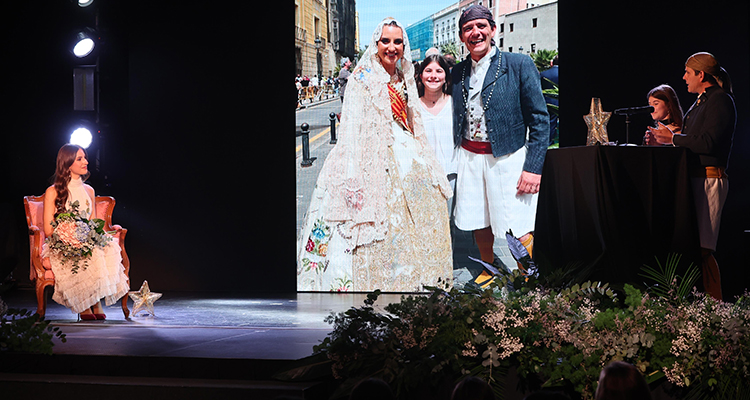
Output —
<point x="609" y="210"/>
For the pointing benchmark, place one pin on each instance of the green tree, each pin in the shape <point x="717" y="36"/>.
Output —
<point x="450" y="48"/>
<point x="542" y="58"/>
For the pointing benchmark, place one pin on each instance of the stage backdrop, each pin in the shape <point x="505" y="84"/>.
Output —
<point x="198" y="136"/>
<point x="198" y="147"/>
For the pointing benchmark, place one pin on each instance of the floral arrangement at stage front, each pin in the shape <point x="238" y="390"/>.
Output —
<point x="691" y="344"/>
<point x="74" y="237"/>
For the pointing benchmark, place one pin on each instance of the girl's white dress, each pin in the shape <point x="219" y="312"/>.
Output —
<point x="104" y="276"/>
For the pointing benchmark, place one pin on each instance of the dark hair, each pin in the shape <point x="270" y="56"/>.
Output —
<point x="443" y="62"/>
<point x="666" y="94"/>
<point x="622" y="381"/>
<point x="472" y="388"/>
<point x="65" y="158"/>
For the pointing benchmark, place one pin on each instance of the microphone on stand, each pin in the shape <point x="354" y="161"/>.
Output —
<point x="627" y="112"/>
<point x="634" y="110"/>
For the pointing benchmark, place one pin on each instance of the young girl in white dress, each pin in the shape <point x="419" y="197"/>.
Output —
<point x="104" y="275"/>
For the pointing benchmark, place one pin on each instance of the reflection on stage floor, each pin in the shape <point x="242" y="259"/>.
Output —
<point x="212" y="325"/>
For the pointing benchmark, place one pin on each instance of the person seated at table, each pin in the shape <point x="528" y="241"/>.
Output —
<point x="667" y="111"/>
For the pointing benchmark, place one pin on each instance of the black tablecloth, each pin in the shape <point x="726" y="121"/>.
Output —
<point x="615" y="209"/>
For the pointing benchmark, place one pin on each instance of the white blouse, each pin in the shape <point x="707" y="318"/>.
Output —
<point x="439" y="130"/>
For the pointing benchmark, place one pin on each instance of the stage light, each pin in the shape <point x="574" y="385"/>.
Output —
<point x="84" y="42"/>
<point x="85" y="3"/>
<point x="81" y="136"/>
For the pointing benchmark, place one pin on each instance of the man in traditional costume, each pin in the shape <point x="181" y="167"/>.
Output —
<point x="501" y="129"/>
<point x="708" y="131"/>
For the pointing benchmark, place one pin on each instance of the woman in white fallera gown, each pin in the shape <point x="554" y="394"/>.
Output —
<point x="103" y="276"/>
<point x="377" y="218"/>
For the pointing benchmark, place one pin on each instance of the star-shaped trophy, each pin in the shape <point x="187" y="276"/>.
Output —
<point x="144" y="299"/>
<point x="597" y="123"/>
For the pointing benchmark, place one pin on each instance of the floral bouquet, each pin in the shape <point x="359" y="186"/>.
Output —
<point x="75" y="237"/>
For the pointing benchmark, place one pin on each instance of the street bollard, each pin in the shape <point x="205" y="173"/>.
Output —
<point x="332" y="116"/>
<point x="306" y="160"/>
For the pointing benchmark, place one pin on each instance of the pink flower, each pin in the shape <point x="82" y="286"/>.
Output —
<point x="310" y="245"/>
<point x="66" y="231"/>
<point x="354" y="199"/>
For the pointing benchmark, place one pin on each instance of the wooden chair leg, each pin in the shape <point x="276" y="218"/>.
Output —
<point x="41" y="298"/>
<point x="125" y="306"/>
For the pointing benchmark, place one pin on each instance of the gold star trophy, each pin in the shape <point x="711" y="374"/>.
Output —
<point x="597" y="123"/>
<point x="144" y="299"/>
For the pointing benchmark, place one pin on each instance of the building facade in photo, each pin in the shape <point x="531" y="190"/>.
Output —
<point x="445" y="27"/>
<point x="420" y="37"/>
<point x="528" y="30"/>
<point x="325" y="32"/>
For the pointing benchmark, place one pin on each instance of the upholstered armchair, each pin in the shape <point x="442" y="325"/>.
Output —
<point x="43" y="275"/>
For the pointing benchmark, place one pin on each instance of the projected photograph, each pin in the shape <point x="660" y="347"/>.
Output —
<point x="404" y="110"/>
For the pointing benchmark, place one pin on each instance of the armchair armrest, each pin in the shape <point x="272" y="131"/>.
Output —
<point x="36" y="242"/>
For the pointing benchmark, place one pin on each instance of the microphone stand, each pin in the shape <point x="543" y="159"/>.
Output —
<point x="627" y="129"/>
<point x="627" y="112"/>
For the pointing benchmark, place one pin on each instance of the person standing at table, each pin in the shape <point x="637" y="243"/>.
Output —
<point x="501" y="129"/>
<point x="708" y="130"/>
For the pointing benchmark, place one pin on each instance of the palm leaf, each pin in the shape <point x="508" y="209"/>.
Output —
<point x="668" y="284"/>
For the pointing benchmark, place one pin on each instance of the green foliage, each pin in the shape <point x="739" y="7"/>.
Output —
<point x="551" y="337"/>
<point x="24" y="331"/>
<point x="668" y="283"/>
<point x="450" y="48"/>
<point x="542" y="58"/>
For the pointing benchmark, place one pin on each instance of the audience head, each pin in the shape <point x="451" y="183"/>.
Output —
<point x="472" y="388"/>
<point x="622" y="381"/>
<point x="666" y="104"/>
<point x="372" y="389"/>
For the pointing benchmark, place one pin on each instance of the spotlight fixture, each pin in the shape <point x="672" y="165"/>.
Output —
<point x="84" y="43"/>
<point x="81" y="136"/>
<point x="85" y="3"/>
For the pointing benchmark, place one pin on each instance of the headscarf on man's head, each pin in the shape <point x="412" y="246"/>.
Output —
<point x="708" y="64"/>
<point x="475" y="11"/>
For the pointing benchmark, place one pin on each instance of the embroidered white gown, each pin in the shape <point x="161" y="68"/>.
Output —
<point x="377" y="217"/>
<point x="103" y="278"/>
